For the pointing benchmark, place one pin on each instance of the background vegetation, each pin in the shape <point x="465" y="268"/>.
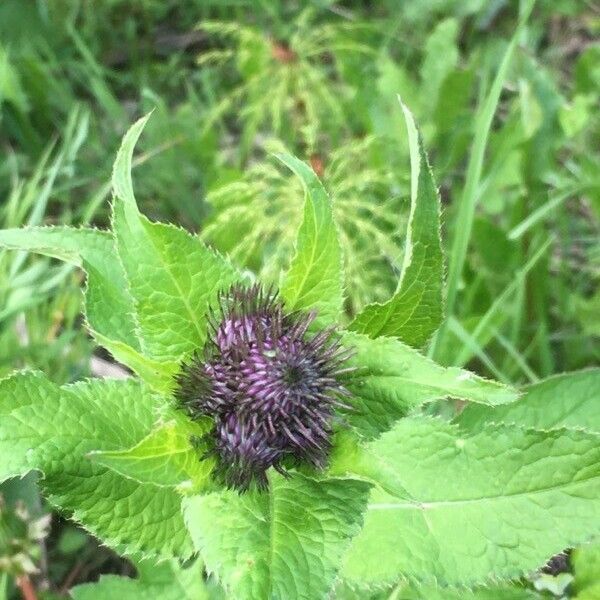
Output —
<point x="230" y="82"/>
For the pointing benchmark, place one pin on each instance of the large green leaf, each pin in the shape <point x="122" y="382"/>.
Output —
<point x="415" y="311"/>
<point x="108" y="305"/>
<point x="392" y="379"/>
<point x="51" y="429"/>
<point x="567" y="400"/>
<point x="461" y="507"/>
<point x="173" y="277"/>
<point x="286" y="543"/>
<point x="314" y="280"/>
<point x="164" y="581"/>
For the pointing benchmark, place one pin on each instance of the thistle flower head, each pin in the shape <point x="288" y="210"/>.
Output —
<point x="269" y="386"/>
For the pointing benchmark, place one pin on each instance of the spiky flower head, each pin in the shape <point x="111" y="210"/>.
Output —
<point x="270" y="386"/>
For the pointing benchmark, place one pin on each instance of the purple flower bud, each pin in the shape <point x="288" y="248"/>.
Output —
<point x="269" y="385"/>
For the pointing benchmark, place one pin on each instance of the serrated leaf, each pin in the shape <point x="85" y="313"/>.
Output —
<point x="568" y="400"/>
<point x="491" y="592"/>
<point x="392" y="379"/>
<point x="173" y="277"/>
<point x="461" y="507"/>
<point x="165" y="458"/>
<point x="415" y="311"/>
<point x="314" y="280"/>
<point x="108" y="306"/>
<point x="286" y="543"/>
<point x="51" y="429"/>
<point x="163" y="581"/>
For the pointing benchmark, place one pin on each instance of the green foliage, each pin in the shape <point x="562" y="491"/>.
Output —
<point x="20" y="537"/>
<point x="568" y="400"/>
<point x="304" y="96"/>
<point x="368" y="212"/>
<point x="164" y="581"/>
<point x="586" y="566"/>
<point x="284" y="544"/>
<point x="423" y="478"/>
<point x="314" y="279"/>
<point x="442" y="493"/>
<point x="52" y="430"/>
<point x="415" y="310"/>
<point x="168" y="299"/>
<point x="393" y="380"/>
<point x="503" y="477"/>
<point x="108" y="306"/>
<point x="166" y="457"/>
<point x="491" y="592"/>
<point x="467" y="205"/>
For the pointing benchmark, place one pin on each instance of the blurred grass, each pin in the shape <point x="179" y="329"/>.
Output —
<point x="513" y="143"/>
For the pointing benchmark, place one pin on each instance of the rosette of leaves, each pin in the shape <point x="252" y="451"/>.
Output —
<point x="398" y="496"/>
<point x="368" y="209"/>
<point x="290" y="81"/>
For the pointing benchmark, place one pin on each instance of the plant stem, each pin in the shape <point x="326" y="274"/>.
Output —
<point x="26" y="587"/>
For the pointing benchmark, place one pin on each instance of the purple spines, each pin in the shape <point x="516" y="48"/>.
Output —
<point x="269" y="385"/>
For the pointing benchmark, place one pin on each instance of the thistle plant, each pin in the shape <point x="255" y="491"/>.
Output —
<point x="287" y="446"/>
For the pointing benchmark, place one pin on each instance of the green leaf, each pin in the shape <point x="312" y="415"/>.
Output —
<point x="122" y="183"/>
<point x="461" y="507"/>
<point x="491" y="592"/>
<point x="108" y="306"/>
<point x="415" y="311"/>
<point x="392" y="379"/>
<point x="173" y="277"/>
<point x="585" y="562"/>
<point x="158" y="374"/>
<point x="568" y="400"/>
<point x="51" y="429"/>
<point x="165" y="458"/>
<point x="163" y="581"/>
<point x="315" y="277"/>
<point x="285" y="543"/>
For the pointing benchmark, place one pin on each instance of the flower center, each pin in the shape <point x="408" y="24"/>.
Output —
<point x="293" y="375"/>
